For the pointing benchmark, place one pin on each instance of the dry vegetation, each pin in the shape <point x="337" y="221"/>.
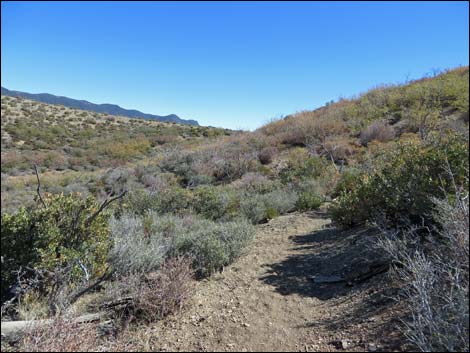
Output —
<point x="194" y="194"/>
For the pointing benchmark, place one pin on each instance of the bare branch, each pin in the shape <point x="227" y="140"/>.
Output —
<point x="107" y="275"/>
<point x="104" y="205"/>
<point x="38" y="190"/>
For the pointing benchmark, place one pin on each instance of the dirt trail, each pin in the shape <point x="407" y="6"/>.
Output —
<point x="268" y="301"/>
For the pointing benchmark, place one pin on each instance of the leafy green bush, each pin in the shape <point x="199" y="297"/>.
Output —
<point x="302" y="166"/>
<point x="309" y="201"/>
<point x="401" y="185"/>
<point x="271" y="213"/>
<point x="213" y="203"/>
<point x="66" y="234"/>
<point x="168" y="200"/>
<point x="347" y="182"/>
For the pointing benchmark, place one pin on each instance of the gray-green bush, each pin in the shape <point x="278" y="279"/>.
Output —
<point x="261" y="207"/>
<point x="142" y="243"/>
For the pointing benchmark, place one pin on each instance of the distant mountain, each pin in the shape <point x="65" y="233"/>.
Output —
<point x="99" y="108"/>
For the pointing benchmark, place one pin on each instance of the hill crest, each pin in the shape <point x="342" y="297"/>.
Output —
<point x="112" y="109"/>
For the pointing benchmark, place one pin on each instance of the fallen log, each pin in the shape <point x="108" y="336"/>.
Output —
<point x="13" y="329"/>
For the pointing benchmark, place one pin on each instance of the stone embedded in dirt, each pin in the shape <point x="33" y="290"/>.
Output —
<point x="340" y="344"/>
<point x="107" y="328"/>
<point x="371" y="347"/>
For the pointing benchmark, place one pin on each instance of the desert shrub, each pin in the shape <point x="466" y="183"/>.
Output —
<point x="347" y="182"/>
<point x="68" y="236"/>
<point x="301" y="166"/>
<point x="267" y="154"/>
<point x="309" y="201"/>
<point x="212" y="245"/>
<point x="166" y="291"/>
<point x="155" y="294"/>
<point x="282" y="200"/>
<point x="213" y="203"/>
<point x="126" y="149"/>
<point x="173" y="200"/>
<point x="230" y="167"/>
<point x="261" y="207"/>
<point x="167" y="200"/>
<point x="162" y="139"/>
<point x="61" y="335"/>
<point x="337" y="150"/>
<point x="400" y="186"/>
<point x="136" y="248"/>
<point x="435" y="285"/>
<point x="379" y="131"/>
<point x="302" y="127"/>
<point x="143" y="242"/>
<point x="76" y="187"/>
<point x="271" y="213"/>
<point x="256" y="182"/>
<point x="253" y="208"/>
<point x="179" y="163"/>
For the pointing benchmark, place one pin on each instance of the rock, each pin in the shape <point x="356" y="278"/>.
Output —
<point x="371" y="347"/>
<point x="246" y="325"/>
<point x="107" y="328"/>
<point x="341" y="344"/>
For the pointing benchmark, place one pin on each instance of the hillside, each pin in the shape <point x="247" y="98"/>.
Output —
<point x="327" y="230"/>
<point x="111" y="109"/>
<point x="68" y="138"/>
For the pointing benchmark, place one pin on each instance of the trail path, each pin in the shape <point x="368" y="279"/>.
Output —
<point x="268" y="301"/>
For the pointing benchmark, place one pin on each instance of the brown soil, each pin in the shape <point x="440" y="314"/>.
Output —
<point x="268" y="301"/>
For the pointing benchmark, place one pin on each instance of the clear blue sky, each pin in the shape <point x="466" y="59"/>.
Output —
<point x="230" y="64"/>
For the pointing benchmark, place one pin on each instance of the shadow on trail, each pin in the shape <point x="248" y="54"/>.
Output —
<point x="326" y="252"/>
<point x="347" y="254"/>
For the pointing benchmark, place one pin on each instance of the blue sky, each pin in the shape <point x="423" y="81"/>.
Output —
<point x="229" y="64"/>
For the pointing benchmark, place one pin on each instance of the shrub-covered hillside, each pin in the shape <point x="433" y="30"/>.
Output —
<point x="59" y="138"/>
<point x="135" y="209"/>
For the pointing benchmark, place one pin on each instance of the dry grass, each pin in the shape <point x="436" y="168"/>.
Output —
<point x="61" y="335"/>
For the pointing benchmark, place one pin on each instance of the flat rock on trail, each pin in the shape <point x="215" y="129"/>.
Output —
<point x="268" y="299"/>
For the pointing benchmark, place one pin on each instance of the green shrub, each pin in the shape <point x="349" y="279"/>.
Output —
<point x="212" y="245"/>
<point x="347" y="182"/>
<point x="401" y="185"/>
<point x="211" y="202"/>
<point x="302" y="166"/>
<point x="271" y="213"/>
<point x="262" y="207"/>
<point x="309" y="201"/>
<point x="253" y="208"/>
<point x="62" y="236"/>
<point x="168" y="200"/>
